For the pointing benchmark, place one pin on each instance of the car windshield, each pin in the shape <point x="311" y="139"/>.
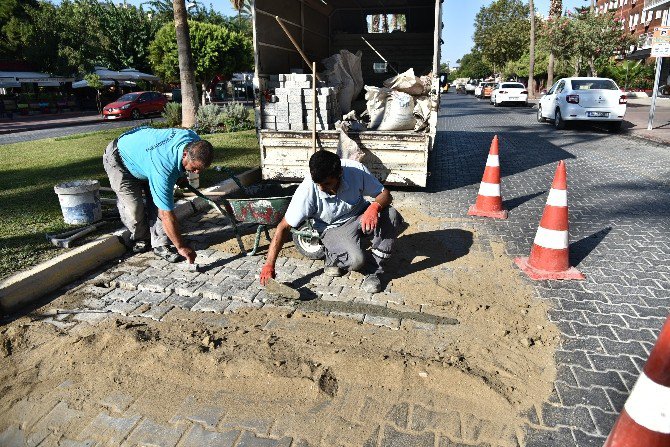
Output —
<point x="129" y="97"/>
<point x="513" y="86"/>
<point x="593" y="84"/>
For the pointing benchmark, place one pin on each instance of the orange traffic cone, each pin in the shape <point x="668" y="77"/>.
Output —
<point x="645" y="418"/>
<point x="549" y="255"/>
<point x="489" y="201"/>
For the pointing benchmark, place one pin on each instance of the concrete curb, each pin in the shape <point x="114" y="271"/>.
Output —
<point x="24" y="288"/>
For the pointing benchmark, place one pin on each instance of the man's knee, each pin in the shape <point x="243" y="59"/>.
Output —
<point x="356" y="259"/>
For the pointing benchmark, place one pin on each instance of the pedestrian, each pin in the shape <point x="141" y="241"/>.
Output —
<point x="334" y="196"/>
<point x="149" y="162"/>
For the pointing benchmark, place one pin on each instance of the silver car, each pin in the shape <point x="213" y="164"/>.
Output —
<point x="583" y="99"/>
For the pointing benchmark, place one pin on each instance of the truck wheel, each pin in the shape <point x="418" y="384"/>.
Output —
<point x="309" y="247"/>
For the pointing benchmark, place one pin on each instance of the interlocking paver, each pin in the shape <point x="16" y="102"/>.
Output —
<point x="149" y="432"/>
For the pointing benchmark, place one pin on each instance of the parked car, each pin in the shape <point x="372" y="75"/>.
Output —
<point x="134" y="105"/>
<point x="583" y="99"/>
<point x="509" y="92"/>
<point x="460" y="88"/>
<point x="470" y="86"/>
<point x="484" y="89"/>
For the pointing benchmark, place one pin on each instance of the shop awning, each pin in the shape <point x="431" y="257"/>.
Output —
<point x="29" y="77"/>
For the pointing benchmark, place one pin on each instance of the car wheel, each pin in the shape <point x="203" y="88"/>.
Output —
<point x="540" y="118"/>
<point x="135" y="114"/>
<point x="495" y="103"/>
<point x="559" y="123"/>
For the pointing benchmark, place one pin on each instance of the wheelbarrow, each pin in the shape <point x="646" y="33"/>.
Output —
<point x="265" y="212"/>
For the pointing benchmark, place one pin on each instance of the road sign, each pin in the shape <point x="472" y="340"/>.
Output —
<point x="660" y="43"/>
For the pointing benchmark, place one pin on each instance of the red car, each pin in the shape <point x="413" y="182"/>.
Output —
<point x="134" y="105"/>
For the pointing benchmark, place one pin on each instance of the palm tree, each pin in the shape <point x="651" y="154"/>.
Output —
<point x="531" y="68"/>
<point x="555" y="10"/>
<point x="189" y="92"/>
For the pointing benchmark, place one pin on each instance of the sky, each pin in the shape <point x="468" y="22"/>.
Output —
<point x="458" y="17"/>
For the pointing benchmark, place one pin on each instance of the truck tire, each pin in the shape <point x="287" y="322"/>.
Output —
<point x="311" y="248"/>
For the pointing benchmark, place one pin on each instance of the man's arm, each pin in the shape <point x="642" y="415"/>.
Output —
<point x="171" y="226"/>
<point x="384" y="199"/>
<point x="370" y="217"/>
<point x="281" y="235"/>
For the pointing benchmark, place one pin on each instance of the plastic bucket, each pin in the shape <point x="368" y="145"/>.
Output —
<point x="79" y="201"/>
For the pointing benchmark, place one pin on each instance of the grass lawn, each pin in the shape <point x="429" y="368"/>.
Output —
<point x="28" y="172"/>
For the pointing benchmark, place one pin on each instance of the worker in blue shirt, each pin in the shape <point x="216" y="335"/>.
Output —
<point x="147" y="162"/>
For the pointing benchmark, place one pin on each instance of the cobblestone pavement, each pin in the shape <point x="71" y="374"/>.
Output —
<point x="619" y="190"/>
<point x="620" y="239"/>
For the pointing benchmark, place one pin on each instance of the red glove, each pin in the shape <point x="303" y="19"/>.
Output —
<point x="370" y="217"/>
<point x="267" y="272"/>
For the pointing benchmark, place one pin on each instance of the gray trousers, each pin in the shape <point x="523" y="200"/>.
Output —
<point x="140" y="219"/>
<point x="343" y="243"/>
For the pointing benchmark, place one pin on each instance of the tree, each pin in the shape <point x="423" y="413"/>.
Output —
<point x="531" y="55"/>
<point x="14" y="15"/>
<point x="555" y="10"/>
<point x="93" y="81"/>
<point x="473" y="65"/>
<point x="216" y="50"/>
<point x="502" y="31"/>
<point x="189" y="93"/>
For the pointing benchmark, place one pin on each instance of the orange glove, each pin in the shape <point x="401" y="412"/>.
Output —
<point x="267" y="272"/>
<point x="370" y="217"/>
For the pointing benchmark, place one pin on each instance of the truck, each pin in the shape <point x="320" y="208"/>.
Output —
<point x="409" y="37"/>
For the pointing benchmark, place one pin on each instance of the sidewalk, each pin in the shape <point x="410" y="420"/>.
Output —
<point x="637" y="117"/>
<point x="37" y="122"/>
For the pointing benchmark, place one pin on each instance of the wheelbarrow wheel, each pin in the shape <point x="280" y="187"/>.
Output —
<point x="309" y="247"/>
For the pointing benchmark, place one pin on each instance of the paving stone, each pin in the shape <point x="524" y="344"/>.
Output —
<point x="197" y="436"/>
<point x="72" y="443"/>
<point x="188" y="288"/>
<point x="156" y="285"/>
<point x="117" y="402"/>
<point x="128" y="281"/>
<point x="578" y="417"/>
<point x="394" y="438"/>
<point x="148" y="432"/>
<point x="90" y="317"/>
<point x="210" y="291"/>
<point x="152" y="298"/>
<point x="353" y="316"/>
<point x="183" y="302"/>
<point x="122" y="295"/>
<point x="13" y="436"/>
<point x="191" y="410"/>
<point x="251" y="440"/>
<point x="207" y="305"/>
<point x="425" y="419"/>
<point x="122" y="308"/>
<point x="398" y="414"/>
<point x="235" y="306"/>
<point x="391" y="323"/>
<point x="109" y="429"/>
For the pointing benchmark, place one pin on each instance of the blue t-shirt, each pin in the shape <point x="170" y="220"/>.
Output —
<point x="156" y="155"/>
<point x="331" y="211"/>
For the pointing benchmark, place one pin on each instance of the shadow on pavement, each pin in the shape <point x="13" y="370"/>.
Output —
<point x="518" y="201"/>
<point x="580" y="249"/>
<point x="421" y="251"/>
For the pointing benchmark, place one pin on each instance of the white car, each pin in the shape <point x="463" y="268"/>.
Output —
<point x="583" y="99"/>
<point x="470" y="86"/>
<point x="509" y="92"/>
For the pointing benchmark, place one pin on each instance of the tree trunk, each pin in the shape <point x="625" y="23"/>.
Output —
<point x="592" y="67"/>
<point x="189" y="92"/>
<point x="550" y="70"/>
<point x="531" y="68"/>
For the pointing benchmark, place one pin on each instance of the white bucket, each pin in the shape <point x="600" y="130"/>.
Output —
<point x="79" y="201"/>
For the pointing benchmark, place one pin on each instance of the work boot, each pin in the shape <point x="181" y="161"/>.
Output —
<point x="168" y="253"/>
<point x="372" y="284"/>
<point x="141" y="246"/>
<point x="333" y="271"/>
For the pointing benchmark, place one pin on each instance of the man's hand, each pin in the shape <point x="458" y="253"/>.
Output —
<point x="267" y="273"/>
<point x="188" y="253"/>
<point x="370" y="217"/>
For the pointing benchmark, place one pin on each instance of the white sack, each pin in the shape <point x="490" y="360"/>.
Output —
<point x="375" y="98"/>
<point x="347" y="148"/>
<point x="406" y="82"/>
<point x="344" y="72"/>
<point x="399" y="112"/>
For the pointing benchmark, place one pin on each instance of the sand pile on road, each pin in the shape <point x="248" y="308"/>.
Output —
<point x="327" y="380"/>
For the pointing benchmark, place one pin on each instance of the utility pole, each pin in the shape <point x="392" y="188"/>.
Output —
<point x="531" y="68"/>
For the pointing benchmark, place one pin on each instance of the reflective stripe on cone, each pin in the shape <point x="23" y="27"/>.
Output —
<point x="489" y="201"/>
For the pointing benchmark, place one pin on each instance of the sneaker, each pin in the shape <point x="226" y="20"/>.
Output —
<point x="141" y="246"/>
<point x="372" y="284"/>
<point x="168" y="253"/>
<point x="333" y="271"/>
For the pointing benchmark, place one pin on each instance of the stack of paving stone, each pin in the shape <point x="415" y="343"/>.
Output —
<point x="292" y="109"/>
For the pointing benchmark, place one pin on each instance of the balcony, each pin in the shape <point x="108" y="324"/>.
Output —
<point x="650" y="5"/>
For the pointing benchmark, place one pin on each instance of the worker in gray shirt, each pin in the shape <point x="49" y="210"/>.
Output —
<point x="334" y="196"/>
